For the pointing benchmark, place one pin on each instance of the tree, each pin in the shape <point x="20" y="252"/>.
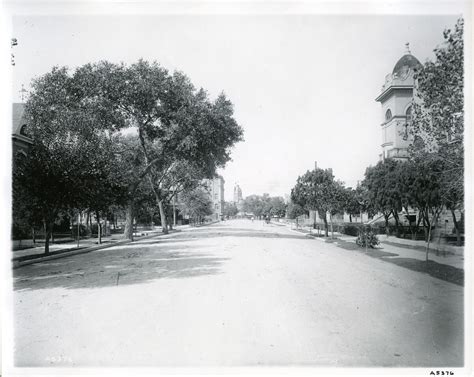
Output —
<point x="277" y="206"/>
<point x="425" y="192"/>
<point x="294" y="210"/>
<point x="317" y="190"/>
<point x="180" y="177"/>
<point x="264" y="205"/>
<point x="254" y="204"/>
<point x="438" y="117"/>
<point x="196" y="204"/>
<point x="230" y="209"/>
<point x="352" y="203"/>
<point x="382" y="185"/>
<point x="69" y="149"/>
<point x="173" y="120"/>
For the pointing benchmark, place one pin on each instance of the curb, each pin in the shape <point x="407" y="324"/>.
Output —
<point x="18" y="264"/>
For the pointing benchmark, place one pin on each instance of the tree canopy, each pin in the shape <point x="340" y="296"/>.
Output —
<point x="103" y="129"/>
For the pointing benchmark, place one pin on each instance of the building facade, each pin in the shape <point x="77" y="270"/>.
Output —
<point x="237" y="194"/>
<point x="21" y="141"/>
<point x="215" y="189"/>
<point x="396" y="99"/>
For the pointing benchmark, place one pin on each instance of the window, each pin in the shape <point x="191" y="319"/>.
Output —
<point x="409" y="115"/>
<point x="388" y="115"/>
<point x="23" y="130"/>
<point x="409" y="119"/>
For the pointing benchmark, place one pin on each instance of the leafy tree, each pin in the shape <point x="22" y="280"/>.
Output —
<point x="173" y="120"/>
<point x="352" y="203"/>
<point x="425" y="191"/>
<point x="294" y="210"/>
<point x="438" y="117"/>
<point x="264" y="205"/>
<point x="69" y="150"/>
<point x="196" y="204"/>
<point x="381" y="183"/>
<point x="277" y="206"/>
<point x="230" y="209"/>
<point x="317" y="190"/>
<point x="254" y="204"/>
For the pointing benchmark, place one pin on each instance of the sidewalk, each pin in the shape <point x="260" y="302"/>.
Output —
<point x="403" y="251"/>
<point x="69" y="248"/>
<point x="396" y="250"/>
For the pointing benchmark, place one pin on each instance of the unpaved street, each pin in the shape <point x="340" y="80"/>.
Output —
<point x="233" y="294"/>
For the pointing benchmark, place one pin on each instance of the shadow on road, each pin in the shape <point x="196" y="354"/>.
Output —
<point x="131" y="264"/>
<point x="437" y="270"/>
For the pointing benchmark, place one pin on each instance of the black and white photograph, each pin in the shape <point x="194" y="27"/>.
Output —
<point x="236" y="187"/>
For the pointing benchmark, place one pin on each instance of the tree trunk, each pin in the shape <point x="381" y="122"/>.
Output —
<point x="99" y="229"/>
<point x="430" y="225"/>
<point x="427" y="225"/>
<point x="128" y="231"/>
<point x="397" y="222"/>
<point x="332" y="228"/>
<point x="33" y="234"/>
<point x="387" y="230"/>
<point x="326" y="230"/>
<point x="410" y="227"/>
<point x="47" y="235"/>
<point x="456" y="228"/>
<point x="162" y="217"/>
<point x="350" y="218"/>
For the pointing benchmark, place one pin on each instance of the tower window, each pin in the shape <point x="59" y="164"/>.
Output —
<point x="388" y="115"/>
<point x="409" y="115"/>
<point x="409" y="119"/>
<point x="23" y="130"/>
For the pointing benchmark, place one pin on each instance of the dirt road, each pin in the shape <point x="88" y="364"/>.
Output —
<point x="239" y="293"/>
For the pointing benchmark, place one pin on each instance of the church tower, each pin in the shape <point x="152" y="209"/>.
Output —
<point x="396" y="99"/>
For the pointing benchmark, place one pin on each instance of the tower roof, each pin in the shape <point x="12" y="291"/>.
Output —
<point x="407" y="60"/>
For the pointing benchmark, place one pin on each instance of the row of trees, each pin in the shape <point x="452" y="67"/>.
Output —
<point x="117" y="135"/>
<point x="230" y="209"/>
<point x="433" y="177"/>
<point x="264" y="205"/>
<point x="319" y="190"/>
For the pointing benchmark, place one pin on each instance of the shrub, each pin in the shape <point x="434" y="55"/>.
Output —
<point x="367" y="238"/>
<point x="350" y="230"/>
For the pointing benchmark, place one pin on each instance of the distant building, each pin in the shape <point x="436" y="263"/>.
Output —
<point x="20" y="138"/>
<point x="396" y="99"/>
<point x="237" y="194"/>
<point x="215" y="188"/>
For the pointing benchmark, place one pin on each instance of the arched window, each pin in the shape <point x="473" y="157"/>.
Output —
<point x="388" y="115"/>
<point x="409" y="119"/>
<point x="23" y="130"/>
<point x="409" y="115"/>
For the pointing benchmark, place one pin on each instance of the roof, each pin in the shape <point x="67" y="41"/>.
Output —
<point x="17" y="117"/>
<point x="407" y="60"/>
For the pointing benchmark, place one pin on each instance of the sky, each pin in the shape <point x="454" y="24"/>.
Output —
<point x="303" y="86"/>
